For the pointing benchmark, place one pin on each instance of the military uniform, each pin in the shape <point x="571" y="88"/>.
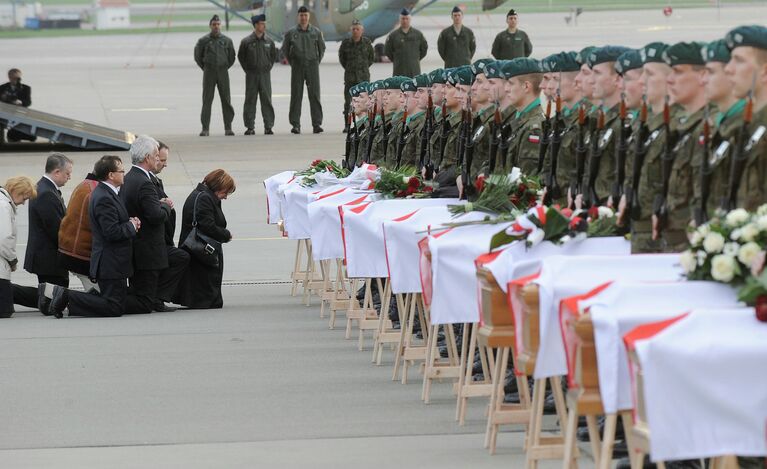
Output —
<point x="481" y="139"/>
<point x="525" y="139"/>
<point x="507" y="45"/>
<point x="304" y="49"/>
<point x="602" y="156"/>
<point x="361" y="125"/>
<point x="406" y="50"/>
<point x="356" y="59"/>
<point x="257" y="56"/>
<point x="752" y="190"/>
<point x="214" y="55"/>
<point x="722" y="142"/>
<point x="410" y="152"/>
<point x="378" y="152"/>
<point x="456" y="48"/>
<point x="566" y="157"/>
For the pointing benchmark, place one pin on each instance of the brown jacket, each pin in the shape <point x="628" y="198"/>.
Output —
<point x="75" y="231"/>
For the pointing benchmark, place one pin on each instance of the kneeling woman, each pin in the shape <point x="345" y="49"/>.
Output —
<point x="201" y="286"/>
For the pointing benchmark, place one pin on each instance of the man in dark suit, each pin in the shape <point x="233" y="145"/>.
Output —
<point x="178" y="259"/>
<point x="18" y="94"/>
<point x="112" y="254"/>
<point x="139" y="194"/>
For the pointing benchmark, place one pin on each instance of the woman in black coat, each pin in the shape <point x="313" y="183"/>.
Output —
<point x="201" y="286"/>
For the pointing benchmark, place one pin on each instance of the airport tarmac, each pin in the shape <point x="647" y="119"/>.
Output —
<point x="262" y="381"/>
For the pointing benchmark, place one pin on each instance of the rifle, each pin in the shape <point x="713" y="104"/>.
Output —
<point x="622" y="151"/>
<point x="700" y="214"/>
<point x="580" y="152"/>
<point x="355" y="142"/>
<point x="348" y="144"/>
<point x="386" y="130"/>
<point x="640" y="153"/>
<point x="426" y="134"/>
<point x="443" y="136"/>
<point x="495" y="136"/>
<point x="403" y="134"/>
<point x="468" y="149"/>
<point x="660" y="207"/>
<point x="740" y="155"/>
<point x="372" y="131"/>
<point x="545" y="138"/>
<point x="554" y="191"/>
<point x="590" y="193"/>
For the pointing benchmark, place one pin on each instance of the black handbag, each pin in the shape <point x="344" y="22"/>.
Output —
<point x="204" y="248"/>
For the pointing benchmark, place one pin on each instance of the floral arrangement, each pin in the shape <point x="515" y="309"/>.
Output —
<point x="321" y="166"/>
<point x="499" y="194"/>
<point x="730" y="249"/>
<point x="402" y="183"/>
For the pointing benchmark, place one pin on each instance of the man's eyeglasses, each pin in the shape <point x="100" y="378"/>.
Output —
<point x="120" y="171"/>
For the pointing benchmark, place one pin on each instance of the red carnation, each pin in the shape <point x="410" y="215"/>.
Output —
<point x="428" y="189"/>
<point x="568" y="212"/>
<point x="594" y="212"/>
<point x="413" y="183"/>
<point x="316" y="162"/>
<point x="515" y="199"/>
<point x="531" y="200"/>
<point x="480" y="183"/>
<point x="521" y="188"/>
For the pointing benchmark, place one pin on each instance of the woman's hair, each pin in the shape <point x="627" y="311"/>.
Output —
<point x="21" y="185"/>
<point x="219" y="180"/>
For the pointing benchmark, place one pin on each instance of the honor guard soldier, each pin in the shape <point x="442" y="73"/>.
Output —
<point x="304" y="48"/>
<point x="747" y="71"/>
<point x="512" y="43"/>
<point x="356" y="55"/>
<point x="389" y="105"/>
<point x="629" y="67"/>
<point x="214" y="54"/>
<point x="406" y="47"/>
<point x="446" y="133"/>
<point x="483" y="100"/>
<point x="526" y="128"/>
<point x="359" y="108"/>
<point x="257" y="55"/>
<point x="456" y="43"/>
<point x="416" y="105"/>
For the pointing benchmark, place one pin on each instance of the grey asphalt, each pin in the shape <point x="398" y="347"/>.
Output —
<point x="262" y="381"/>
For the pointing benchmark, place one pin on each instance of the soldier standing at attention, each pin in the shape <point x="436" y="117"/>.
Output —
<point x="214" y="54"/>
<point x="257" y="55"/>
<point x="512" y="42"/>
<point x="356" y="55"/>
<point x="304" y="48"/>
<point x="406" y="46"/>
<point x="456" y="43"/>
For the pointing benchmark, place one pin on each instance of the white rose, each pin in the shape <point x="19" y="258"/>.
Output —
<point x="731" y="249"/>
<point x="704" y="230"/>
<point x="688" y="261"/>
<point x="762" y="210"/>
<point x="736" y="234"/>
<point x="762" y="223"/>
<point x="605" y="212"/>
<point x="737" y="217"/>
<point x="748" y="253"/>
<point x="696" y="238"/>
<point x="702" y="256"/>
<point x="723" y="268"/>
<point x="749" y="232"/>
<point x="714" y="242"/>
<point x="535" y="237"/>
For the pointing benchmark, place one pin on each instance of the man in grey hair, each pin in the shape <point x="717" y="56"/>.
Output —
<point x="139" y="195"/>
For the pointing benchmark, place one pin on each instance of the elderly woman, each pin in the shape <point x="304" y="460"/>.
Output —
<point x="16" y="191"/>
<point x="201" y="286"/>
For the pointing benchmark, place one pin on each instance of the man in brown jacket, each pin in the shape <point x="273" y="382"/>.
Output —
<point x="75" y="233"/>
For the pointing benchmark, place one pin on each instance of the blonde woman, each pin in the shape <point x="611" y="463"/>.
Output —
<point x="15" y="192"/>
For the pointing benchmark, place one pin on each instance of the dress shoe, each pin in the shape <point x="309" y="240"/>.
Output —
<point x="229" y="132"/>
<point x="59" y="301"/>
<point x="268" y="131"/>
<point x="317" y="129"/>
<point x="204" y="133"/>
<point x="295" y="130"/>
<point x="250" y="132"/>
<point x="43" y="302"/>
<point x="161" y="307"/>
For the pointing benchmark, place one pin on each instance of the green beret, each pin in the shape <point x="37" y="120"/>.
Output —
<point x="408" y="85"/>
<point x="561" y="62"/>
<point x="460" y="75"/>
<point x="521" y="66"/>
<point x="495" y="69"/>
<point x="629" y="60"/>
<point x="394" y="83"/>
<point x="582" y="57"/>
<point x="753" y="36"/>
<point x="422" y="81"/>
<point x="653" y="52"/>
<point x="375" y="86"/>
<point x="358" y="89"/>
<point x="479" y="65"/>
<point x="684" y="53"/>
<point x="605" y="54"/>
<point x="716" y="51"/>
<point x="437" y="77"/>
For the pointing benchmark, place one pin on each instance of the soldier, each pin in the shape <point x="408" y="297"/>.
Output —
<point x="747" y="71"/>
<point x="257" y="55"/>
<point x="524" y="76"/>
<point x="406" y="47"/>
<point x="214" y="54"/>
<point x="446" y="134"/>
<point x="456" y="43"/>
<point x="483" y="100"/>
<point x="417" y="103"/>
<point x="359" y="107"/>
<point x="583" y="78"/>
<point x="629" y="67"/>
<point x="389" y="103"/>
<point x="304" y="48"/>
<point x="375" y="92"/>
<point x="356" y="55"/>
<point x="512" y="42"/>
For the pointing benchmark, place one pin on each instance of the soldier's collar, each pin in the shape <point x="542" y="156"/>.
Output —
<point x="529" y="107"/>
<point x="734" y="110"/>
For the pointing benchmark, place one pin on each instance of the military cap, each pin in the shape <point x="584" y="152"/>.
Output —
<point x="438" y="76"/>
<point x="684" y="53"/>
<point x="257" y="18"/>
<point x="511" y="12"/>
<point x="629" y="60"/>
<point x="356" y="22"/>
<point x="561" y="62"/>
<point x="359" y="88"/>
<point x="303" y="9"/>
<point x="753" y="36"/>
<point x="456" y="9"/>
<point x="408" y="85"/>
<point x="394" y="83"/>
<point x="405" y="12"/>
<point x="375" y="86"/>
<point x="653" y="52"/>
<point x="495" y="69"/>
<point x="521" y="66"/>
<point x="214" y="18"/>
<point x="479" y="65"/>
<point x="460" y="75"/>
<point x="716" y="51"/>
<point x="582" y="57"/>
<point x="605" y="54"/>
<point x="422" y="81"/>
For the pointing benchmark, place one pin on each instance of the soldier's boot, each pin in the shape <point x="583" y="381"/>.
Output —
<point x="204" y="133"/>
<point x="268" y="131"/>
<point x="317" y="129"/>
<point x="229" y="132"/>
<point x="250" y="131"/>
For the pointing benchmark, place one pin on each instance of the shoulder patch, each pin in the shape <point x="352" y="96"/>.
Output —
<point x="532" y="138"/>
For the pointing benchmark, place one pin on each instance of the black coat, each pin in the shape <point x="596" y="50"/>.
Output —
<point x="141" y="200"/>
<point x="113" y="235"/>
<point x="22" y="93"/>
<point x="170" y="224"/>
<point x="45" y="214"/>
<point x="201" y="286"/>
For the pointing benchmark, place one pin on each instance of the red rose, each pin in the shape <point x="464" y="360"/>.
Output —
<point x="316" y="162"/>
<point x="428" y="189"/>
<point x="480" y="183"/>
<point x="594" y="212"/>
<point x="761" y="308"/>
<point x="531" y="200"/>
<point x="522" y="188"/>
<point x="413" y="183"/>
<point x="568" y="212"/>
<point x="515" y="199"/>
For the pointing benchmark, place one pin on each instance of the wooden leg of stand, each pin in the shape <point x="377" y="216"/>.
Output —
<point x="571" y="430"/>
<point x="496" y="398"/>
<point x="352" y="306"/>
<point x="309" y="273"/>
<point x="628" y="423"/>
<point x="594" y="438"/>
<point x="296" y="269"/>
<point x="324" y="271"/>
<point x="431" y="349"/>
<point x="338" y="288"/>
<point x="608" y="440"/>
<point x="404" y="322"/>
<point x="465" y="367"/>
<point x="559" y="399"/>
<point x="378" y="333"/>
<point x="536" y="421"/>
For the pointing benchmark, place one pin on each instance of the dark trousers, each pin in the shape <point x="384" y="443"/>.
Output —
<point x="143" y="287"/>
<point x="178" y="262"/>
<point x="11" y="294"/>
<point x="27" y="296"/>
<point x="309" y="74"/>
<point x="112" y="301"/>
<point x="213" y="78"/>
<point x="258" y="85"/>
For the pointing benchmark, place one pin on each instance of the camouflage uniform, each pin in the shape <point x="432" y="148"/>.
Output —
<point x="752" y="191"/>
<point x="362" y="129"/>
<point x="604" y="159"/>
<point x="410" y="152"/>
<point x="566" y="163"/>
<point x="356" y="59"/>
<point x="257" y="56"/>
<point x="456" y="49"/>
<point x="525" y="139"/>
<point x="507" y="46"/>
<point x="304" y="49"/>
